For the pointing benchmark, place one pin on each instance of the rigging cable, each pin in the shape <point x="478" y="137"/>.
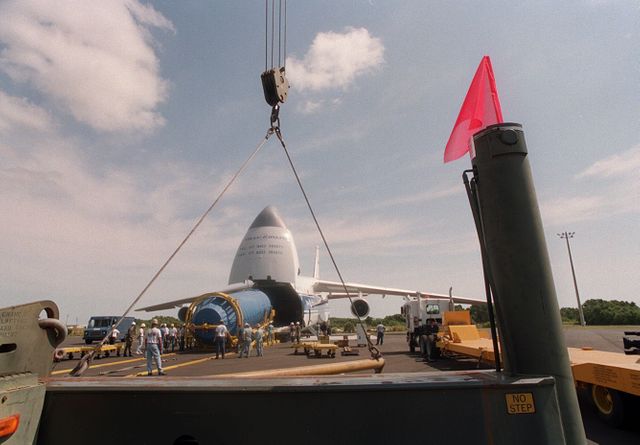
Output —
<point x="83" y="365"/>
<point x="275" y="88"/>
<point x="375" y="352"/>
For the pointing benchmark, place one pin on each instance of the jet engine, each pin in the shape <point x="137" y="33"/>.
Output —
<point x="182" y="313"/>
<point x="360" y="308"/>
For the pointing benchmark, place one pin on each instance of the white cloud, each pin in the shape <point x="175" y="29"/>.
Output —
<point x="18" y="114"/>
<point x="93" y="59"/>
<point x="311" y="106"/>
<point x="627" y="162"/>
<point x="614" y="190"/>
<point x="335" y="60"/>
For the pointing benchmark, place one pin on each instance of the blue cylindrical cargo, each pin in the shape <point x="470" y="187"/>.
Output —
<point x="254" y="305"/>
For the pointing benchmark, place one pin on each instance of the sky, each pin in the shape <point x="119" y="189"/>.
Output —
<point x="121" y="121"/>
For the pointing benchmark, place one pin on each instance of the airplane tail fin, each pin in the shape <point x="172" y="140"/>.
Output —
<point x="316" y="264"/>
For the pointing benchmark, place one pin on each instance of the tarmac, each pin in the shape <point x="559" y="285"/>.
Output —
<point x="394" y="350"/>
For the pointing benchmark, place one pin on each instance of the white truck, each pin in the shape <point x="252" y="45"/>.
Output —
<point x="417" y="312"/>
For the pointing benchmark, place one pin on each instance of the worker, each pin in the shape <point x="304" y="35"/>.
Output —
<point x="240" y="339"/>
<point x="153" y="343"/>
<point x="246" y="341"/>
<point x="292" y="332"/>
<point x="270" y="334"/>
<point x="380" y="331"/>
<point x="323" y="328"/>
<point x="128" y="339"/>
<point x="113" y="336"/>
<point x="221" y="339"/>
<point x="164" y="330"/>
<point x="141" y="339"/>
<point x="432" y="334"/>
<point x="258" y="335"/>
<point x="297" y="331"/>
<point x="181" y="334"/>
<point x="173" y="336"/>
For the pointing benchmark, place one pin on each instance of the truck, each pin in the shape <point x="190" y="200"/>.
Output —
<point x="99" y="326"/>
<point x="417" y="312"/>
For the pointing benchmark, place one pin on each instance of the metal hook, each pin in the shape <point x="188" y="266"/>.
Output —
<point x="275" y="118"/>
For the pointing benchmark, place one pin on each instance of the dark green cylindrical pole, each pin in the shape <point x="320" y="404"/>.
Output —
<point x="525" y="297"/>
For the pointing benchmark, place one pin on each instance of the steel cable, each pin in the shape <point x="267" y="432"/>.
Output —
<point x="83" y="365"/>
<point x="375" y="353"/>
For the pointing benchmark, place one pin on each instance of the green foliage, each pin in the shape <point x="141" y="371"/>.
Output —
<point x="614" y="312"/>
<point x="348" y="327"/>
<point x="479" y="313"/>
<point x="161" y="319"/>
<point x="391" y="322"/>
<point x="570" y="315"/>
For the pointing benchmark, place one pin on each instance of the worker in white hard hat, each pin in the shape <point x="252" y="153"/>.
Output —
<point x="128" y="339"/>
<point x="153" y="341"/>
<point x="221" y="338"/>
<point x="140" y="339"/>
<point x="258" y="335"/>
<point x="246" y="341"/>
<point x="270" y="334"/>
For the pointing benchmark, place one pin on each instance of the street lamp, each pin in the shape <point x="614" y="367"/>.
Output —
<point x="566" y="236"/>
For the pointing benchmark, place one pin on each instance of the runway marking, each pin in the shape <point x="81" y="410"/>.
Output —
<point x="179" y="365"/>
<point x="102" y="365"/>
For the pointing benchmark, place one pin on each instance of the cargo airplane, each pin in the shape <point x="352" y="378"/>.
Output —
<point x="265" y="283"/>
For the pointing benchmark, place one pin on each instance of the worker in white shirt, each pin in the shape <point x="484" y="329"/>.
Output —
<point x="173" y="336"/>
<point x="153" y="342"/>
<point x="221" y="338"/>
<point x="141" y="339"/>
<point x="114" y="334"/>
<point x="164" y="330"/>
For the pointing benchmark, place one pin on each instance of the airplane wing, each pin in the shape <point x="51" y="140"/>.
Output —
<point x="336" y="290"/>
<point x="177" y="303"/>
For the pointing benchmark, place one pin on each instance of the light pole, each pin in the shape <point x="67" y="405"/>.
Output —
<point x="566" y="236"/>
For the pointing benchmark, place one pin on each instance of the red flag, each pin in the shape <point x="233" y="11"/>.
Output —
<point x="480" y="109"/>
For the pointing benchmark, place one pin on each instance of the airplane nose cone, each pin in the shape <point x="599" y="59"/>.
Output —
<point x="269" y="217"/>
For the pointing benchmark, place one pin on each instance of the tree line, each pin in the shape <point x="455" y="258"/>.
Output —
<point x="596" y="312"/>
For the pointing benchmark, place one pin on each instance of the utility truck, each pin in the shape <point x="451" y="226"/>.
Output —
<point x="417" y="312"/>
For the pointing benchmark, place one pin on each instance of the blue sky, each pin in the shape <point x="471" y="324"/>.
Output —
<point x="120" y="122"/>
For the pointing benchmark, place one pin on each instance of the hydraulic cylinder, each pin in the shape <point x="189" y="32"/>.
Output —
<point x="526" y="305"/>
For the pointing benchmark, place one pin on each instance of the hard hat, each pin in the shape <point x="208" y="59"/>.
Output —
<point x="154" y="322"/>
<point x="297" y="323"/>
<point x="291" y="324"/>
<point x="172" y="325"/>
<point x="246" y="325"/>
<point x="133" y="323"/>
<point x="143" y="325"/>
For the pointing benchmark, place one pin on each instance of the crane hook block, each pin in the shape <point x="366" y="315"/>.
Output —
<point x="275" y="86"/>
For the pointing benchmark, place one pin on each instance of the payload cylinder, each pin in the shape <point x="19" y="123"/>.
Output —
<point x="525" y="297"/>
<point x="247" y="306"/>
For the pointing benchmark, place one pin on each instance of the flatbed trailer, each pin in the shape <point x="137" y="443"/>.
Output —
<point x="611" y="379"/>
<point x="316" y="347"/>
<point x="70" y="351"/>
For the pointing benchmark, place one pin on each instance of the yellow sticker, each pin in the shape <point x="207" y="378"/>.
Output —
<point x="520" y="403"/>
